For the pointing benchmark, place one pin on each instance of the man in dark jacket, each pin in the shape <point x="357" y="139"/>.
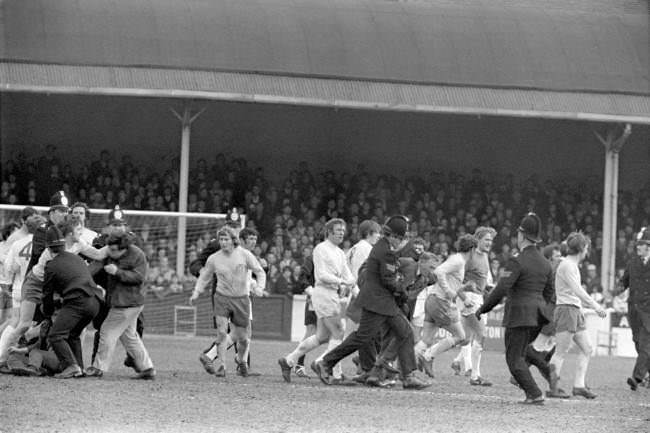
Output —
<point x="116" y="225"/>
<point x="637" y="279"/>
<point x="125" y="268"/>
<point x="380" y="312"/>
<point x="68" y="275"/>
<point x="527" y="284"/>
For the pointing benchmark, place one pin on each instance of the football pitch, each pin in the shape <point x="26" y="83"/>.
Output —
<point x="184" y="398"/>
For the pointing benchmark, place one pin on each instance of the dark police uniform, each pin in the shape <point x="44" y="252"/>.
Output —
<point x="380" y="312"/>
<point x="68" y="275"/>
<point x="637" y="278"/>
<point x="527" y="284"/>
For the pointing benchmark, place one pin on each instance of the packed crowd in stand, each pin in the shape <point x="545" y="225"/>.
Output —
<point x="289" y="215"/>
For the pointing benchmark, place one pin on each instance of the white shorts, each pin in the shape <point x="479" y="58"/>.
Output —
<point x="477" y="301"/>
<point x="326" y="302"/>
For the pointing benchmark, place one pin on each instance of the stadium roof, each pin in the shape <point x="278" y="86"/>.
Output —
<point x="566" y="59"/>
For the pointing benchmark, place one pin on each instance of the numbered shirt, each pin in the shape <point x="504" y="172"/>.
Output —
<point x="5" y="246"/>
<point x="17" y="261"/>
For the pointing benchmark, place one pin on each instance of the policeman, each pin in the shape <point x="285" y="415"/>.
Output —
<point x="68" y="275"/>
<point x="380" y="310"/>
<point x="637" y="279"/>
<point x="527" y="284"/>
<point x="57" y="213"/>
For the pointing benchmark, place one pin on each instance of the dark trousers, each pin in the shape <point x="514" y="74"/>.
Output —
<point x="516" y="341"/>
<point x="73" y="317"/>
<point x="99" y="319"/>
<point x="396" y="331"/>
<point x="368" y="353"/>
<point x="640" y="326"/>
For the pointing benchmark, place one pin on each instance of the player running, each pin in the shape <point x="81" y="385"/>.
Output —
<point x="333" y="281"/>
<point x="440" y="307"/>
<point x="477" y="270"/>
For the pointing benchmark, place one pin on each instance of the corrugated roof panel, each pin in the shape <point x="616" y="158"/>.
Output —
<point x="574" y="45"/>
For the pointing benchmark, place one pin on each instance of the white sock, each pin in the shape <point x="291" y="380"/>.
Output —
<point x="440" y="347"/>
<point x="305" y="346"/>
<point x="476" y="351"/>
<point x="221" y="351"/>
<point x="466" y="354"/>
<point x="581" y="370"/>
<point x="212" y="352"/>
<point x="5" y="342"/>
<point x="229" y="341"/>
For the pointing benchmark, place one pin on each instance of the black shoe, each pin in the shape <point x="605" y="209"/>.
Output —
<point x="148" y="374"/>
<point x="26" y="370"/>
<point x="242" y="368"/>
<point x="324" y="372"/>
<point x="479" y="381"/>
<point x="583" y="392"/>
<point x="537" y="401"/>
<point x="286" y="369"/>
<point x="375" y="376"/>
<point x="633" y="383"/>
<point x="208" y="364"/>
<point x="558" y="393"/>
<point x="70" y="372"/>
<point x="94" y="372"/>
<point x="413" y="382"/>
<point x="361" y="377"/>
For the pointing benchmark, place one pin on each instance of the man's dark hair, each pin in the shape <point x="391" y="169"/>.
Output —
<point x="84" y="206"/>
<point x="246" y="232"/>
<point x="122" y="240"/>
<point x="27" y="212"/>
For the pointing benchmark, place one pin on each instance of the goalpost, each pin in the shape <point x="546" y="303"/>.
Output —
<point x="171" y="240"/>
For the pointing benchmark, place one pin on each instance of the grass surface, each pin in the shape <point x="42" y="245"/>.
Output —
<point x="183" y="398"/>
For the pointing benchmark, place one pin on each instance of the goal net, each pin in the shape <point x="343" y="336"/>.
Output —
<point x="171" y="241"/>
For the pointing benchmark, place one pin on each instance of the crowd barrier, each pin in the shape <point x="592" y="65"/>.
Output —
<point x="280" y="317"/>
